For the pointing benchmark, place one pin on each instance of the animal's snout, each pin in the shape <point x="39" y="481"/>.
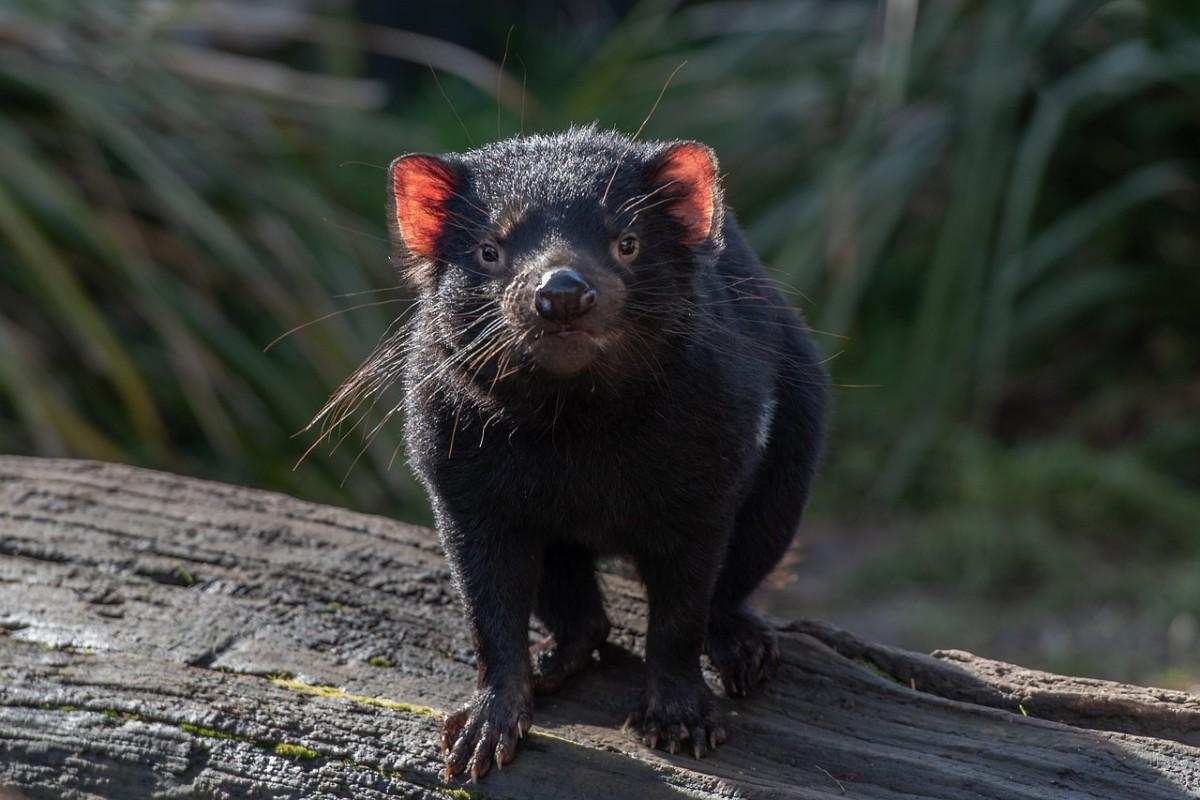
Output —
<point x="562" y="295"/>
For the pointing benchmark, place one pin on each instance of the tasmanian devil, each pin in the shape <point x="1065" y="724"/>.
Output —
<point x="599" y="365"/>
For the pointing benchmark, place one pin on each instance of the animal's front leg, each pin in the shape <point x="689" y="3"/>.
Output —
<point x="677" y="706"/>
<point x="496" y="572"/>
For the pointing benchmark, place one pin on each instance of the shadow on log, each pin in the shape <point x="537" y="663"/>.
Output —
<point x="168" y="637"/>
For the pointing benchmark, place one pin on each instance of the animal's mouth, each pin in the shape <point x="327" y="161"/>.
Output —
<point x="565" y="350"/>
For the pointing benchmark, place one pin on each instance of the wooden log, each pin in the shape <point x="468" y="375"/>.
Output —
<point x="170" y="637"/>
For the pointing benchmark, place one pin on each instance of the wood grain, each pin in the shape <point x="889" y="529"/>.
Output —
<point x="170" y="637"/>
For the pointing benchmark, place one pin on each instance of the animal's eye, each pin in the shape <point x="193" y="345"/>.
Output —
<point x="489" y="253"/>
<point x="627" y="247"/>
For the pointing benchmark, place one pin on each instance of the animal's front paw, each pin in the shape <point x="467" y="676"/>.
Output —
<point x="671" y="713"/>
<point x="743" y="649"/>
<point x="486" y="730"/>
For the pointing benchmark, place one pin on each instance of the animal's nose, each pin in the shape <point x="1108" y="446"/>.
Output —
<point x="562" y="295"/>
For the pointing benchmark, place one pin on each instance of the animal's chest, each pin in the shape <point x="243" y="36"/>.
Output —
<point x="605" y="486"/>
<point x="589" y="489"/>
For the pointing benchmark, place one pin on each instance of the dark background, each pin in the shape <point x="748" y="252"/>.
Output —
<point x="988" y="209"/>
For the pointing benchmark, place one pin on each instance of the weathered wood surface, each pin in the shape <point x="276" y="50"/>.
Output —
<point x="149" y="618"/>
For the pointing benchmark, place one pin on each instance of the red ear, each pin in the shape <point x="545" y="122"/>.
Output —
<point x="421" y="185"/>
<point x="689" y="170"/>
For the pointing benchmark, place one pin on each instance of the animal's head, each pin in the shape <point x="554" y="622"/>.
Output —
<point x="555" y="258"/>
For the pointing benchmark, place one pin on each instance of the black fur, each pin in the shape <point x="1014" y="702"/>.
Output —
<point x="539" y="460"/>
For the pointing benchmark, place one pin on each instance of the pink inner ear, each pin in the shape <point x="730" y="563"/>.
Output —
<point x="689" y="169"/>
<point x="422" y="185"/>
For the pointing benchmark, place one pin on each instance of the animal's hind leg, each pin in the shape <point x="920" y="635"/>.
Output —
<point x="570" y="605"/>
<point x="742" y="647"/>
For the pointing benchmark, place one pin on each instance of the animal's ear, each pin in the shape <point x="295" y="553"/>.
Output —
<point x="688" y="177"/>
<point x="421" y="185"/>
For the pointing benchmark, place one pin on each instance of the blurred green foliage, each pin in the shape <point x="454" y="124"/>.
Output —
<point x="160" y="230"/>
<point x="987" y="208"/>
